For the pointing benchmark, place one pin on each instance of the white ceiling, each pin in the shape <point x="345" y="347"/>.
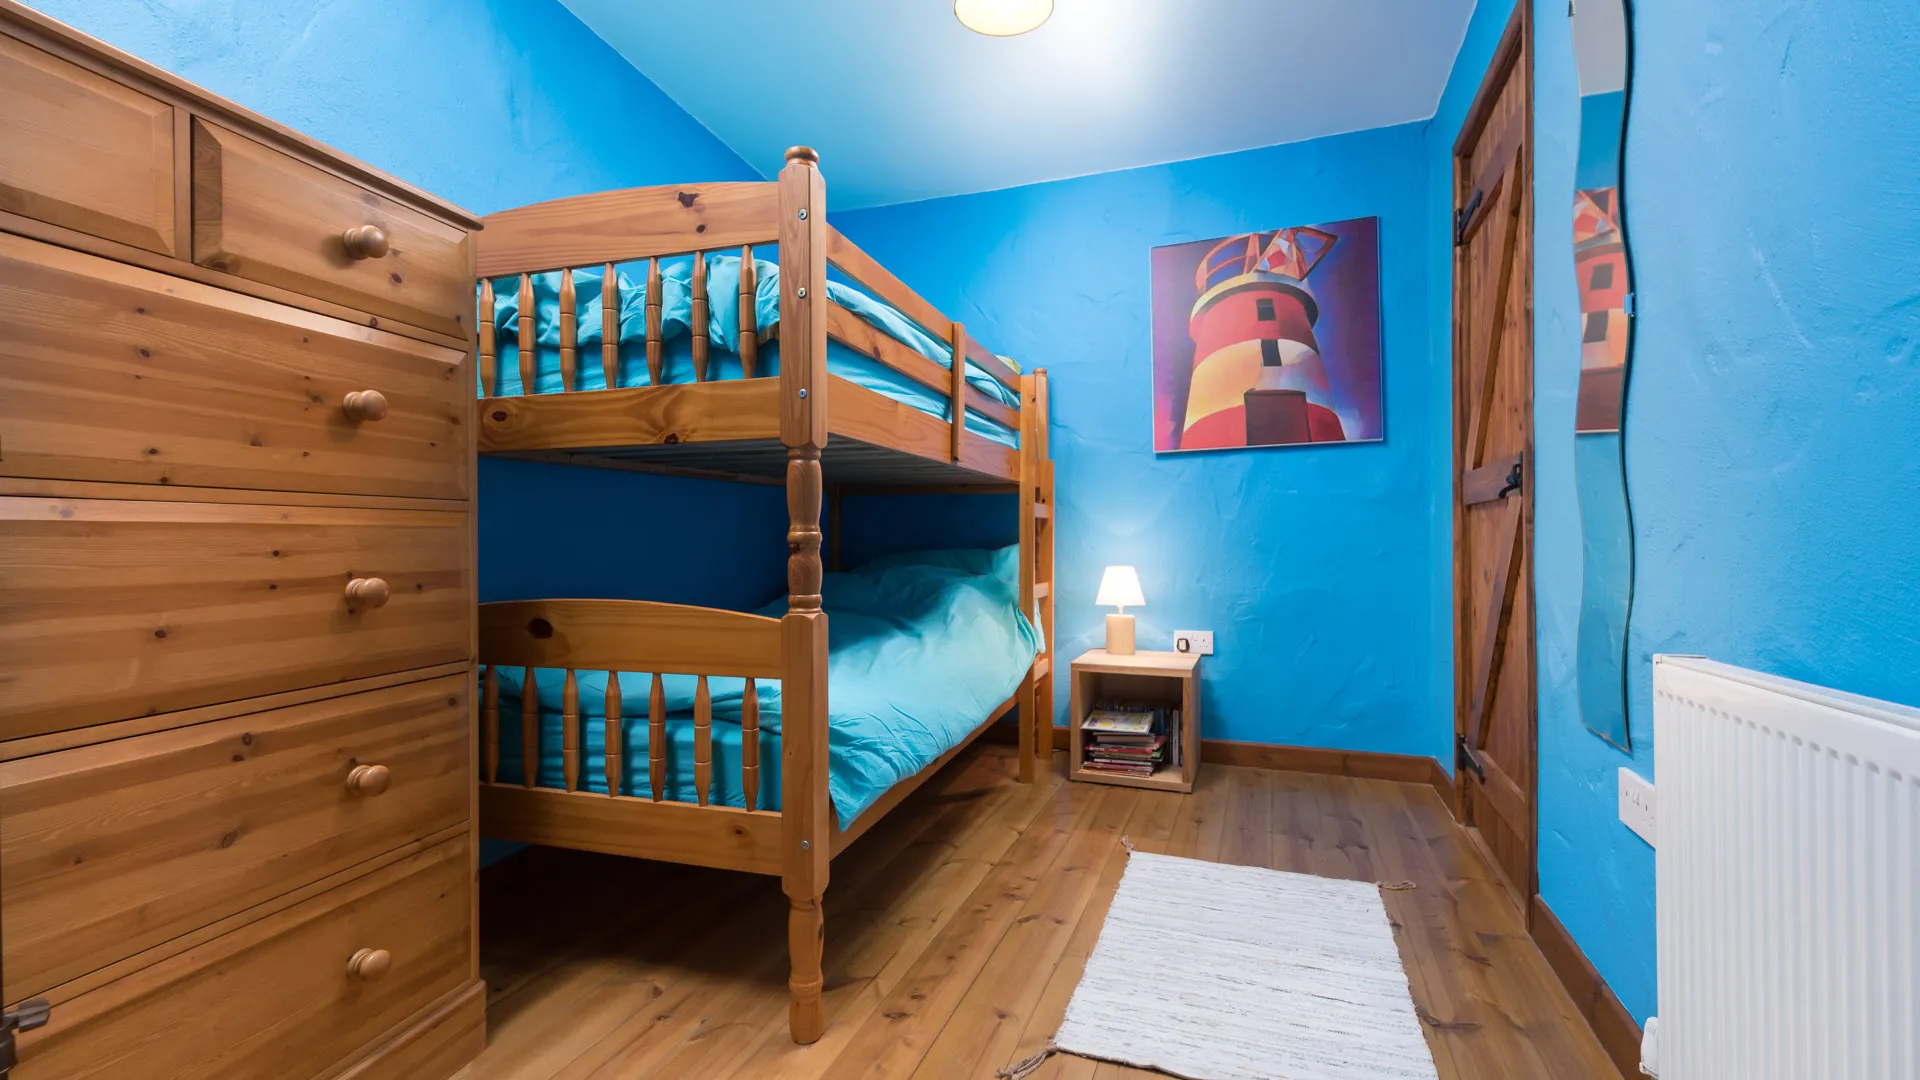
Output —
<point x="904" y="103"/>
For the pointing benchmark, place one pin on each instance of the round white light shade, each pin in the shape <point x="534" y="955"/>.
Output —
<point x="1120" y="587"/>
<point x="1002" y="18"/>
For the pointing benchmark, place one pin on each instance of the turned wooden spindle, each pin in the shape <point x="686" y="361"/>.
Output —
<point x="610" y="325"/>
<point x="367" y="592"/>
<point x="369" y="780"/>
<point x="570" y="731"/>
<point x="489" y="350"/>
<point x="369" y="965"/>
<point x="569" y="333"/>
<point x="616" y="736"/>
<point x="749" y="313"/>
<point x="701" y="317"/>
<point x="364" y="406"/>
<point x="804" y="566"/>
<point x="365" y="242"/>
<point x="656" y="345"/>
<point x="702" y="740"/>
<point x="529" y="728"/>
<point x="528" y="320"/>
<point x="750" y="747"/>
<point x="490" y="724"/>
<point x="657" y="739"/>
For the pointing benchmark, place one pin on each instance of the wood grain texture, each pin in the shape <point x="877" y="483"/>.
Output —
<point x="83" y="151"/>
<point x="262" y="214"/>
<point x="867" y="339"/>
<point x="629" y="635"/>
<point x="278" y="989"/>
<point x="735" y="410"/>
<point x="1494" y="620"/>
<point x="634" y="223"/>
<point x="433" y="1043"/>
<point x="121" y="609"/>
<point x="110" y="849"/>
<point x="847" y="257"/>
<point x="723" y="837"/>
<point x="971" y="910"/>
<point x="114" y="373"/>
<point x="1609" y="1019"/>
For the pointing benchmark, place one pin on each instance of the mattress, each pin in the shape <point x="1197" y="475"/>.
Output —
<point x="723" y="286"/>
<point x="921" y="649"/>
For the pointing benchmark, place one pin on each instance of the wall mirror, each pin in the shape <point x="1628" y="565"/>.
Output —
<point x="1602" y="45"/>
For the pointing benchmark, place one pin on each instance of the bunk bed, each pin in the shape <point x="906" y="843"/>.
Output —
<point x="875" y="390"/>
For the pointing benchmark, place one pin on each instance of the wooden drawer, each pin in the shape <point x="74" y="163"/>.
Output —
<point x="275" y="999"/>
<point x="113" y="609"/>
<point x="84" y="152"/>
<point x="110" y="372"/>
<point x="263" y="215"/>
<point x="110" y="849"/>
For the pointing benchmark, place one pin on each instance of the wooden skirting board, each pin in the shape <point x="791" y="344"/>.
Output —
<point x="1366" y="765"/>
<point x="1609" y="1019"/>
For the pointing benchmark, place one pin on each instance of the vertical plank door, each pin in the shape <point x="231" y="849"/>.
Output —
<point x="1494" y="698"/>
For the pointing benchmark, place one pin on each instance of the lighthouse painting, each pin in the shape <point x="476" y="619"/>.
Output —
<point x="1268" y="338"/>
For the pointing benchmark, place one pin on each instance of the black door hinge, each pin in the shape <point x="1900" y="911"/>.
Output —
<point x="26" y="1016"/>
<point x="1464" y="215"/>
<point x="1466" y="756"/>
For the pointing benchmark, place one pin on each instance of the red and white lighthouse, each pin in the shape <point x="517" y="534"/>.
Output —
<point x="1258" y="379"/>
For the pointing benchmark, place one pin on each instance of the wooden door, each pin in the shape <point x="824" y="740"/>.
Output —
<point x="1493" y="441"/>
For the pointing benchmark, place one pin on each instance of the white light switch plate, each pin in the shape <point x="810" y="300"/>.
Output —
<point x="1636" y="804"/>
<point x="1193" y="641"/>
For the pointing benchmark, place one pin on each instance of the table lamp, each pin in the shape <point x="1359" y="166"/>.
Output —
<point x="1120" y="586"/>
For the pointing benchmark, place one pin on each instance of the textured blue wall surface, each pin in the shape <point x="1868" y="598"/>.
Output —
<point x="1311" y="564"/>
<point x="1773" y="423"/>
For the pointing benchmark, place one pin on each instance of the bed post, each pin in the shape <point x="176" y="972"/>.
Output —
<point x="1029" y="566"/>
<point x="1036" y="568"/>
<point x="805" y="814"/>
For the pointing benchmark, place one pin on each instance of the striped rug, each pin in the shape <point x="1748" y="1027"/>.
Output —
<point x="1218" y="972"/>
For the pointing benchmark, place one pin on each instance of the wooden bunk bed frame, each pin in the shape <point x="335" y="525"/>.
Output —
<point x="804" y="428"/>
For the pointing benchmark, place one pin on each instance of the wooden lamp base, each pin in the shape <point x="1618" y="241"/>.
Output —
<point x="1119" y="635"/>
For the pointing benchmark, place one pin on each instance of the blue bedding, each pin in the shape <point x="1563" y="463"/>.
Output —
<point x="676" y="322"/>
<point x="921" y="647"/>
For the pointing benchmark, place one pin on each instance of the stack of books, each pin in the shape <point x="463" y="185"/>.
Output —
<point x="1130" y="740"/>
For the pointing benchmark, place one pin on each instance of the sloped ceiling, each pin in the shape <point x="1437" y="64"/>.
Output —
<point x="904" y="103"/>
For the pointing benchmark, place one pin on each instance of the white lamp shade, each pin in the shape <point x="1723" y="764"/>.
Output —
<point x="1002" y="18"/>
<point x="1120" y="587"/>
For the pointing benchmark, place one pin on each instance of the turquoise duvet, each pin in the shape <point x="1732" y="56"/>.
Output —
<point x="723" y="285"/>
<point x="921" y="647"/>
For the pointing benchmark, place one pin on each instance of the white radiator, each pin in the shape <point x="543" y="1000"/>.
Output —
<point x="1788" y="878"/>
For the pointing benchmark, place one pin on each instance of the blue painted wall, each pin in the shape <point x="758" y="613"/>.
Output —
<point x="1312" y="565"/>
<point x="1772" y="454"/>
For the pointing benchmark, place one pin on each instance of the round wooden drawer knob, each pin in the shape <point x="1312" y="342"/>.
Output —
<point x="370" y="965"/>
<point x="365" y="405"/>
<point x="368" y="592"/>
<point x="365" y="242"/>
<point x="369" y="780"/>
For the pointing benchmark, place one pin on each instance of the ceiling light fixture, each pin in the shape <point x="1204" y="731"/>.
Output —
<point x="1002" y="18"/>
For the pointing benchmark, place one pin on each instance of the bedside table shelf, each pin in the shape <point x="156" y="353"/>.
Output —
<point x="1167" y="679"/>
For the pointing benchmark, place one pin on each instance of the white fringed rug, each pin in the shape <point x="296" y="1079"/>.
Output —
<point x="1240" y="973"/>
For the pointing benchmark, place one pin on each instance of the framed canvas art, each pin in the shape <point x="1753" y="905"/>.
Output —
<point x="1268" y="338"/>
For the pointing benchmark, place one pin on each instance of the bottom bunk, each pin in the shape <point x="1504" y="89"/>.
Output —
<point x="922" y="648"/>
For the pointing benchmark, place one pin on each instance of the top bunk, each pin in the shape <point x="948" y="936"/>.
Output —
<point x="732" y="344"/>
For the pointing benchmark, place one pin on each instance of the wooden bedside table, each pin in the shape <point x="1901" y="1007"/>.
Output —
<point x="1166" y="679"/>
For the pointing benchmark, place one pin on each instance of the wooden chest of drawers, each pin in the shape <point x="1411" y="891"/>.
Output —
<point x="236" y="589"/>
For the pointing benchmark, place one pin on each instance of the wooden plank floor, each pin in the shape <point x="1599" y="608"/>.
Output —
<point x="958" y="927"/>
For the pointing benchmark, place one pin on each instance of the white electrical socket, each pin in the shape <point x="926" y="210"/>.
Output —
<point x="1193" y="641"/>
<point x="1636" y="804"/>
